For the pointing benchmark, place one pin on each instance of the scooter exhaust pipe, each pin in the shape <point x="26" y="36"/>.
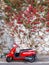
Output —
<point x="28" y="58"/>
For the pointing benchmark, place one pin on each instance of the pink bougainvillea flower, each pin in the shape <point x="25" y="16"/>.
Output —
<point x="47" y="23"/>
<point x="12" y="34"/>
<point x="15" y="27"/>
<point x="21" y="31"/>
<point x="30" y="8"/>
<point x="26" y="12"/>
<point x="47" y="16"/>
<point x="34" y="10"/>
<point x="19" y="22"/>
<point x="35" y="22"/>
<point x="28" y="22"/>
<point x="19" y="17"/>
<point x="47" y="30"/>
<point x="35" y="27"/>
<point x="33" y="30"/>
<point x="43" y="19"/>
<point x="8" y="8"/>
<point x="11" y="24"/>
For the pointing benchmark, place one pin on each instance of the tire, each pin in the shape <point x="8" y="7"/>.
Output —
<point x="32" y="59"/>
<point x="9" y="59"/>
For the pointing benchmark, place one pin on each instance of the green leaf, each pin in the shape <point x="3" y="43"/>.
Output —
<point x="8" y="2"/>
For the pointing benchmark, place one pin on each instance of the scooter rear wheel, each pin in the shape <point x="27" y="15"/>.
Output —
<point x="9" y="59"/>
<point x="32" y="59"/>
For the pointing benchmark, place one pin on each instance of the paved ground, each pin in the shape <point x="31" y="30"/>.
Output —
<point x="25" y="63"/>
<point x="42" y="58"/>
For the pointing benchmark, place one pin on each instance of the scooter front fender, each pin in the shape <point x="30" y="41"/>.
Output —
<point x="9" y="55"/>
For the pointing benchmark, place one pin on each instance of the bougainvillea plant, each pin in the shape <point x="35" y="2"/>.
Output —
<point x="30" y="13"/>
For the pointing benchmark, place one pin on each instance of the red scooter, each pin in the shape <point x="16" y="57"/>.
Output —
<point x="24" y="54"/>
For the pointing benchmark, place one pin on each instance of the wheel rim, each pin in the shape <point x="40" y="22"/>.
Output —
<point x="9" y="59"/>
<point x="33" y="59"/>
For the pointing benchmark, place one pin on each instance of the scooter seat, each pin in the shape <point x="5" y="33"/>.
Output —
<point x="24" y="50"/>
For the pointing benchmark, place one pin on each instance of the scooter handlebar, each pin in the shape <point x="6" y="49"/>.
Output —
<point x="15" y="45"/>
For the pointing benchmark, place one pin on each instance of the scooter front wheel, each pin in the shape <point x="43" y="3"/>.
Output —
<point x="9" y="59"/>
